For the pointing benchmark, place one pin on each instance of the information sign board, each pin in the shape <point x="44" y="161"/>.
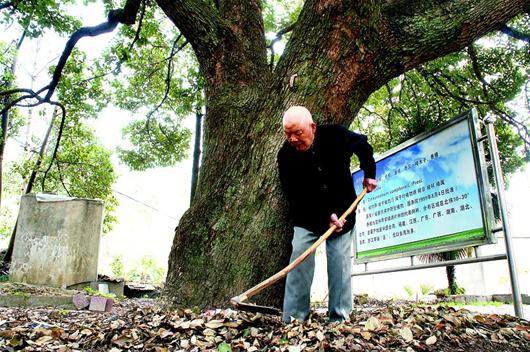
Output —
<point x="431" y="196"/>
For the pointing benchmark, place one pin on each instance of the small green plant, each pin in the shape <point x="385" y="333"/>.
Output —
<point x="426" y="289"/>
<point x="4" y="278"/>
<point x="91" y="292"/>
<point x="117" y="266"/>
<point x="441" y="293"/>
<point x="409" y="290"/>
<point x="21" y="294"/>
<point x="458" y="290"/>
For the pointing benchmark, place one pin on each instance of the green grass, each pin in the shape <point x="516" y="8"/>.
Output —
<point x="21" y="294"/>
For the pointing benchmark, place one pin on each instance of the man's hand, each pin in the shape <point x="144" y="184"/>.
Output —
<point x="370" y="184"/>
<point x="334" y="220"/>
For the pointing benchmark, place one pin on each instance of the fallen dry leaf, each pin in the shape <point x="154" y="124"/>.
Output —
<point x="431" y="340"/>
<point x="44" y="340"/>
<point x="406" y="334"/>
<point x="372" y="324"/>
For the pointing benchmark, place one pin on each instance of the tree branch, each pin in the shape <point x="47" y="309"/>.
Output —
<point x="278" y="37"/>
<point x="522" y="130"/>
<point x="61" y="178"/>
<point x="420" y="32"/>
<point x="370" y="112"/>
<point x="476" y="70"/>
<point x="104" y="27"/>
<point x="14" y="102"/>
<point x="228" y="41"/>
<point x="140" y="22"/>
<point x="40" y="155"/>
<point x="514" y="33"/>
<point x="198" y="21"/>
<point x="416" y="99"/>
<point x="445" y="91"/>
<point x="173" y="52"/>
<point x="4" y="5"/>
<point x="125" y="15"/>
<point x="58" y="141"/>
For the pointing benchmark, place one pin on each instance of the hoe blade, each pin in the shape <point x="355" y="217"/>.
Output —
<point x="251" y="307"/>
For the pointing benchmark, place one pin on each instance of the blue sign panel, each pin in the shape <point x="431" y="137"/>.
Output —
<point x="429" y="197"/>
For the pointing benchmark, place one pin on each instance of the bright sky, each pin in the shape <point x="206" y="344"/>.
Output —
<point x="143" y="230"/>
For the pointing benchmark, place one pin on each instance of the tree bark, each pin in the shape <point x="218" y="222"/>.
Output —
<point x="237" y="231"/>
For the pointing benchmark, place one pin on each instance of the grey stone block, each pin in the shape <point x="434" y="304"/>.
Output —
<point x="81" y="301"/>
<point x="507" y="298"/>
<point x="100" y="304"/>
<point x="469" y="298"/>
<point x="26" y="300"/>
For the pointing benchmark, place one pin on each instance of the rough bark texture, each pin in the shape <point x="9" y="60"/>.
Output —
<point x="236" y="232"/>
<point x="450" y="270"/>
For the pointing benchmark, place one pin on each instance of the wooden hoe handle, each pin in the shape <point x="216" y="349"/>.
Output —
<point x="282" y="273"/>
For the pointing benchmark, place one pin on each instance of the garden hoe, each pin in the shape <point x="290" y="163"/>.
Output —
<point x="239" y="301"/>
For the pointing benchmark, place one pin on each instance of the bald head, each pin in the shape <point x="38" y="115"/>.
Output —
<point x="297" y="114"/>
<point x="299" y="127"/>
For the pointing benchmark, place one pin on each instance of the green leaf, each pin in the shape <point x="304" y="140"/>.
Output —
<point x="224" y="347"/>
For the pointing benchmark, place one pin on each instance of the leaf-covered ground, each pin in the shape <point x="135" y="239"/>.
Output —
<point x="142" y="325"/>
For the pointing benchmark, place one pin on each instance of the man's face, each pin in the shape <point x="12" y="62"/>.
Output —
<point x="300" y="134"/>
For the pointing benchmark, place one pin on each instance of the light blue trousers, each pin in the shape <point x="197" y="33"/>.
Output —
<point x="296" y="302"/>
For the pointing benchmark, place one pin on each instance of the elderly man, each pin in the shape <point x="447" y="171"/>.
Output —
<point x="314" y="168"/>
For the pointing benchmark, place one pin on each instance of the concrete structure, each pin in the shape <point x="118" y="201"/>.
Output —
<point x="57" y="240"/>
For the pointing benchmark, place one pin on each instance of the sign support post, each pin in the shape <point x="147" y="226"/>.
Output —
<point x="516" y="294"/>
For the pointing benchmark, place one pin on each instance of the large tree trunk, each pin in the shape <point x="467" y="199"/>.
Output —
<point x="237" y="232"/>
